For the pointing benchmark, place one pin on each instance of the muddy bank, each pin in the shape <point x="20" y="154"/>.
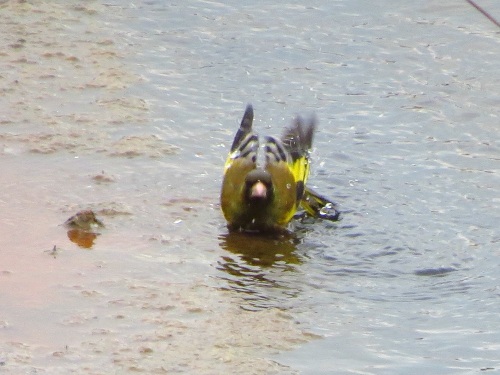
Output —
<point x="133" y="300"/>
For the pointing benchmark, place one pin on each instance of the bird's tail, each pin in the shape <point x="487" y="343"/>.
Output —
<point x="317" y="205"/>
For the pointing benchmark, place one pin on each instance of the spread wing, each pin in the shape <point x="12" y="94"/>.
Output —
<point x="245" y="144"/>
<point x="297" y="140"/>
<point x="240" y="161"/>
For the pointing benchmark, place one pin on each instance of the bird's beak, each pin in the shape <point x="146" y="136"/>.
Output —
<point x="259" y="190"/>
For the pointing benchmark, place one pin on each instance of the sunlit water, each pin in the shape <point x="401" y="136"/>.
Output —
<point x="137" y="127"/>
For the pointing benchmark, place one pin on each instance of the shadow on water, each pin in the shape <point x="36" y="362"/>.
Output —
<point x="262" y="250"/>
<point x="254" y="262"/>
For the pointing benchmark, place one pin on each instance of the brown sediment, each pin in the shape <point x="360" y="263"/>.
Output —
<point x="63" y="82"/>
<point x="60" y="71"/>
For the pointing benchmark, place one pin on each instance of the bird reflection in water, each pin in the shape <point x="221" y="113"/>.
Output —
<point x="253" y="262"/>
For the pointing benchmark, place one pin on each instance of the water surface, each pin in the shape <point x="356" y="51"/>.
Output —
<point x="129" y="109"/>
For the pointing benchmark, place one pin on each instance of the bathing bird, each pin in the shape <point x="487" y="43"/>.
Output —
<point x="265" y="177"/>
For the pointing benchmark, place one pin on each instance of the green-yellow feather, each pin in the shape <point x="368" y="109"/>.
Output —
<point x="288" y="176"/>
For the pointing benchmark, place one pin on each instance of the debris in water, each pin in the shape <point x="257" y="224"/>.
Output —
<point x="53" y="252"/>
<point x="85" y="220"/>
<point x="82" y="226"/>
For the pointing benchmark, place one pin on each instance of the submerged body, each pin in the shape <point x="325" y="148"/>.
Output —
<point x="265" y="195"/>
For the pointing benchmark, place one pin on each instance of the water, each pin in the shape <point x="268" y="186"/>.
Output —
<point x="129" y="109"/>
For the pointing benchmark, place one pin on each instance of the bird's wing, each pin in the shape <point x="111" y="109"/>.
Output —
<point x="278" y="164"/>
<point x="245" y="144"/>
<point x="297" y="140"/>
<point x="242" y="158"/>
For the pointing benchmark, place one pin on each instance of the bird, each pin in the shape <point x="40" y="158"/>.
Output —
<point x="265" y="177"/>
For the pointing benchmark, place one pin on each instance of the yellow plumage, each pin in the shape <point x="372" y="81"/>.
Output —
<point x="265" y="194"/>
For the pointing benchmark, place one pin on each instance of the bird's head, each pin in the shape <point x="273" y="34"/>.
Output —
<point x="258" y="187"/>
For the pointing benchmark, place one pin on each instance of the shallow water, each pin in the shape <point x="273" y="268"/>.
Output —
<point x="129" y="109"/>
